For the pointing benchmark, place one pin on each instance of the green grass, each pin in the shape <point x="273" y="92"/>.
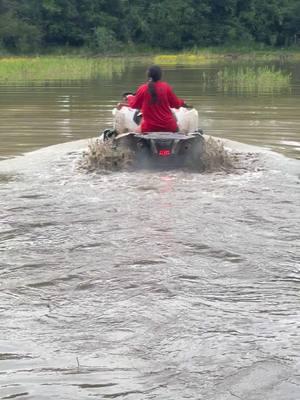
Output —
<point x="186" y="58"/>
<point x="68" y="68"/>
<point x="262" y="79"/>
<point x="209" y="55"/>
<point x="16" y="69"/>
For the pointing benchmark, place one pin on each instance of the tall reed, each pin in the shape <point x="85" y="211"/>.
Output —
<point x="251" y="79"/>
<point x="58" y="68"/>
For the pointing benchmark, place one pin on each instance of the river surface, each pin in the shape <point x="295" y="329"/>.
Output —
<point x="148" y="285"/>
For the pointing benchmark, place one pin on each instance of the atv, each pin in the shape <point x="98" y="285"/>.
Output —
<point x="161" y="149"/>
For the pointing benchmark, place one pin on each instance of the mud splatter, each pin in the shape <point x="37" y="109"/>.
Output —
<point x="102" y="156"/>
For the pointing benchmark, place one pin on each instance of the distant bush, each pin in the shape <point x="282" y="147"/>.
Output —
<point x="19" y="36"/>
<point x="104" y="40"/>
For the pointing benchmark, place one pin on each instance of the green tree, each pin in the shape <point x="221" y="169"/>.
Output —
<point x="19" y="25"/>
<point x="102" y="25"/>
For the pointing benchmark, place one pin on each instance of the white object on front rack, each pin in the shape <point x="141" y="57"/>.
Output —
<point x="187" y="119"/>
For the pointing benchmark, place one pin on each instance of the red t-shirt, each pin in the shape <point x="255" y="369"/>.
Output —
<point x="157" y="117"/>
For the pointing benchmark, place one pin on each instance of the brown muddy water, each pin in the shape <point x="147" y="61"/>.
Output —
<point x="148" y="285"/>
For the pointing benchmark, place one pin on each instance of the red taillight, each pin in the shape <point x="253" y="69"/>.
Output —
<point x="164" y="153"/>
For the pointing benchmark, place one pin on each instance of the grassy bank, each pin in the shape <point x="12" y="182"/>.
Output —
<point x="49" y="68"/>
<point x="77" y="67"/>
<point x="216" y="54"/>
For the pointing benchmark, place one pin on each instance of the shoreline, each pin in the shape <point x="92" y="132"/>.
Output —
<point x="70" y="66"/>
<point x="234" y="52"/>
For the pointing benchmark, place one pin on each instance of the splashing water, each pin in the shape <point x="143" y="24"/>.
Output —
<point x="104" y="157"/>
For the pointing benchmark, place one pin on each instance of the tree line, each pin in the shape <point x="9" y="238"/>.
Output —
<point x="28" y="26"/>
